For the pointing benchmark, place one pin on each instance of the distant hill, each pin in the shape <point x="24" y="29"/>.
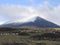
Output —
<point x="38" y="22"/>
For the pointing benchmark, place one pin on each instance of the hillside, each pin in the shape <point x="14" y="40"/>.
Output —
<point x="38" y="22"/>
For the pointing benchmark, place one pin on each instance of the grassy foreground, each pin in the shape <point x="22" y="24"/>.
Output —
<point x="24" y="40"/>
<point x="31" y="37"/>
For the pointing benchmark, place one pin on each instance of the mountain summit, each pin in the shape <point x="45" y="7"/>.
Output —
<point x="38" y="22"/>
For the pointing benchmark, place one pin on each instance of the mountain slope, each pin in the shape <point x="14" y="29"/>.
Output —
<point x="38" y="22"/>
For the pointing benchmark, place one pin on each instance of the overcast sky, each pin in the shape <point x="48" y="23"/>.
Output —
<point x="21" y="10"/>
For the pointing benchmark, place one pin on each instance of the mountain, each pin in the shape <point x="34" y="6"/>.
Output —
<point x="38" y="22"/>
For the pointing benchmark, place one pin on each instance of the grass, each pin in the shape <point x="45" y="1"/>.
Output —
<point x="27" y="40"/>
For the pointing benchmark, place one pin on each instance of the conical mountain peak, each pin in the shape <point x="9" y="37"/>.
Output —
<point x="37" y="22"/>
<point x="39" y="19"/>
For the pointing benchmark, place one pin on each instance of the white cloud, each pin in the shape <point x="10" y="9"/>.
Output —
<point x="14" y="12"/>
<point x="50" y="12"/>
<point x="18" y="12"/>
